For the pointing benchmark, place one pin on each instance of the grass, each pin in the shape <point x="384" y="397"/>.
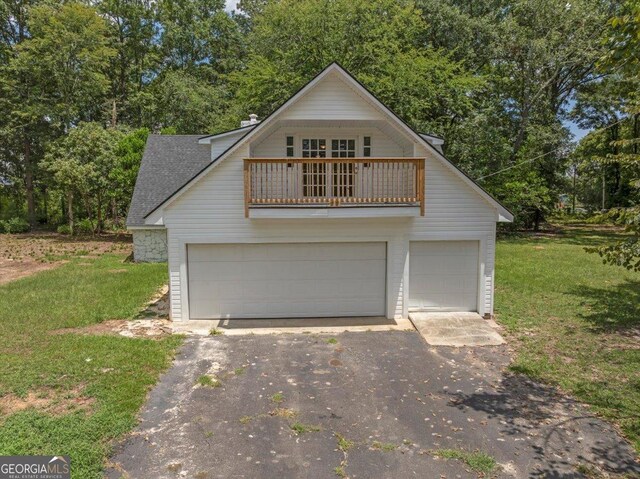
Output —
<point x="574" y="321"/>
<point x="277" y="398"/>
<point x="384" y="446"/>
<point x="344" y="444"/>
<point x="215" y="332"/>
<point x="208" y="382"/>
<point x="246" y="419"/>
<point x="331" y="341"/>
<point x="300" y="428"/>
<point x="283" y="412"/>
<point x="477" y="461"/>
<point x="116" y="372"/>
<point x="339" y="471"/>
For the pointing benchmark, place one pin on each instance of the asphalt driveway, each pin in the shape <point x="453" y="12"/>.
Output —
<point x="363" y="405"/>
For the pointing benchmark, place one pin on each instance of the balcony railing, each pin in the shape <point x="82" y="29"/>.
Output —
<point x="333" y="182"/>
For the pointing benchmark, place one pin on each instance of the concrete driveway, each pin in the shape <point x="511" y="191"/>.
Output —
<point x="395" y="401"/>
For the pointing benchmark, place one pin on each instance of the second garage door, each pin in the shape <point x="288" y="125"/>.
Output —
<point x="286" y="280"/>
<point x="443" y="275"/>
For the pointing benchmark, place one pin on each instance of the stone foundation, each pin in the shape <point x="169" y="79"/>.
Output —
<point x="150" y="246"/>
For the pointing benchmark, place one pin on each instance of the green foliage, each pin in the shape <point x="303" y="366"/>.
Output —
<point x="526" y="195"/>
<point x="83" y="163"/>
<point x="494" y="79"/>
<point x="378" y="42"/>
<point x="65" y="60"/>
<point x="84" y="227"/>
<point x="300" y="428"/>
<point x="187" y="103"/>
<point x="17" y="225"/>
<point x="626" y="252"/>
<point x="208" y="382"/>
<point x="477" y="461"/>
<point x="124" y="171"/>
<point x="14" y="225"/>
<point x="64" y="230"/>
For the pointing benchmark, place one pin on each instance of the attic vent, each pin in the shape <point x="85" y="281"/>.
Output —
<point x="253" y="120"/>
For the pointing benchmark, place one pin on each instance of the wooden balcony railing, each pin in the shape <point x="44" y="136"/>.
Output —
<point x="333" y="182"/>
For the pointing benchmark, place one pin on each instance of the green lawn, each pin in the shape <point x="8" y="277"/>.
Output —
<point x="112" y="372"/>
<point x="574" y="322"/>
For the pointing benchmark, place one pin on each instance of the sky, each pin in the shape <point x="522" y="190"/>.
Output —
<point x="578" y="132"/>
<point x="230" y="5"/>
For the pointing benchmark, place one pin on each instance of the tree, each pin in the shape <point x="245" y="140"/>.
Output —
<point x="378" y="42"/>
<point x="534" y="55"/>
<point x="133" y="31"/>
<point x="81" y="164"/>
<point x="54" y="78"/>
<point x="199" y="37"/>
<point x="185" y="102"/>
<point x="123" y="174"/>
<point x="623" y="65"/>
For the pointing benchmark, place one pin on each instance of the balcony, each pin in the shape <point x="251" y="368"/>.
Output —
<point x="330" y="183"/>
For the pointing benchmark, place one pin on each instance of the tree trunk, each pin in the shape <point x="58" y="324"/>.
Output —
<point x="45" y="195"/>
<point x="99" y="215"/>
<point x="28" y="183"/>
<point x="114" y="114"/>
<point x="573" y="202"/>
<point x="70" y="210"/>
<point x="114" y="211"/>
<point x="536" y="220"/>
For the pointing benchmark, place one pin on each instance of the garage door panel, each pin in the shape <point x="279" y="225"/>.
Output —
<point x="443" y="275"/>
<point x="287" y="280"/>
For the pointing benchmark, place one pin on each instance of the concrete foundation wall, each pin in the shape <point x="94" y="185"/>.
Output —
<point x="150" y="246"/>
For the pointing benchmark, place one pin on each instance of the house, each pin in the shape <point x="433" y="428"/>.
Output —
<point x="331" y="206"/>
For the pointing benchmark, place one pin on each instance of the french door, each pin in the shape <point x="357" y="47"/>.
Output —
<point x="325" y="180"/>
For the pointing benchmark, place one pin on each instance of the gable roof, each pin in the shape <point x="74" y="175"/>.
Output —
<point x="168" y="162"/>
<point x="504" y="213"/>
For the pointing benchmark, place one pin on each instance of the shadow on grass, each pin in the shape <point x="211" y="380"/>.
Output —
<point x="582" y="235"/>
<point x="553" y="422"/>
<point x="613" y="308"/>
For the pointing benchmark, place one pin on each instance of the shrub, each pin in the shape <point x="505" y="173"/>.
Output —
<point x="14" y="225"/>
<point x="64" y="230"/>
<point x="114" y="226"/>
<point x="84" y="227"/>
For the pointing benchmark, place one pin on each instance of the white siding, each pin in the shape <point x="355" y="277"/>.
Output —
<point x="220" y="145"/>
<point x="213" y="212"/>
<point x="332" y="99"/>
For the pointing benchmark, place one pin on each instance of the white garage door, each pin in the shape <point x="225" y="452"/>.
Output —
<point x="286" y="280"/>
<point x="443" y="275"/>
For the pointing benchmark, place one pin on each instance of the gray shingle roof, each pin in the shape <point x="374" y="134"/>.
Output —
<point x="169" y="161"/>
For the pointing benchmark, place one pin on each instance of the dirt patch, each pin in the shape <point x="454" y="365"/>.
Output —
<point x="152" y="322"/>
<point x="48" y="400"/>
<point x="10" y="269"/>
<point x="137" y="328"/>
<point x="22" y="255"/>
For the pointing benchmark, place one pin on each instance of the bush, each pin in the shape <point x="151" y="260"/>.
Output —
<point x="83" y="227"/>
<point x="14" y="225"/>
<point x="113" y="226"/>
<point x="64" y="230"/>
